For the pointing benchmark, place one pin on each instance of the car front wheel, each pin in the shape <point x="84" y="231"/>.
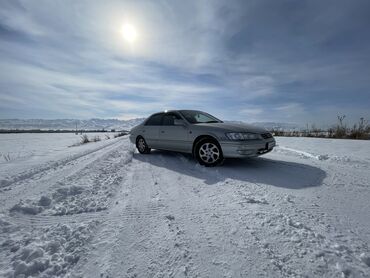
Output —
<point x="141" y="146"/>
<point x="208" y="153"/>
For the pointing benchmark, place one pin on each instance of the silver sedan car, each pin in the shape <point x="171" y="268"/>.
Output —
<point x="209" y="139"/>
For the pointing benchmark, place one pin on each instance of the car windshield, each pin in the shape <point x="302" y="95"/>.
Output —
<point x="197" y="117"/>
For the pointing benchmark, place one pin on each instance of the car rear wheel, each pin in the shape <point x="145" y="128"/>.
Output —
<point x="141" y="146"/>
<point x="208" y="153"/>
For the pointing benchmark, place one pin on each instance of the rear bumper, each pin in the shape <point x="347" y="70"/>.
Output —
<point x="247" y="148"/>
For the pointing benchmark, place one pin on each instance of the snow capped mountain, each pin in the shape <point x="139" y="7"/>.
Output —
<point x="273" y="125"/>
<point x="278" y="126"/>
<point x="108" y="124"/>
<point x="91" y="124"/>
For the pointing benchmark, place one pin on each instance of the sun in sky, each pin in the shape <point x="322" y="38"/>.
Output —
<point x="129" y="33"/>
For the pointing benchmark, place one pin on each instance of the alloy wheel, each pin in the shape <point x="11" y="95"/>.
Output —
<point x="141" y="145"/>
<point x="209" y="153"/>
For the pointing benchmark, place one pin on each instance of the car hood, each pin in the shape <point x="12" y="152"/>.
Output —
<point x="234" y="127"/>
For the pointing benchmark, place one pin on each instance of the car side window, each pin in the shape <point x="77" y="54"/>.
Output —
<point x="201" y="118"/>
<point x="169" y="119"/>
<point x="155" y="119"/>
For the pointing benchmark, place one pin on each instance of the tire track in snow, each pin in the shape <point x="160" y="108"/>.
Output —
<point x="315" y="235"/>
<point x="67" y="172"/>
<point x="168" y="207"/>
<point x="199" y="211"/>
<point x="51" y="166"/>
<point x="147" y="239"/>
<point x="103" y="170"/>
<point x="311" y="232"/>
<point x="127" y="236"/>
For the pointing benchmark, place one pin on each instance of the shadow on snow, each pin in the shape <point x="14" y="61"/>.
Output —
<point x="255" y="170"/>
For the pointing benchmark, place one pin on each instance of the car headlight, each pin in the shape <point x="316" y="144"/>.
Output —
<point x="239" y="136"/>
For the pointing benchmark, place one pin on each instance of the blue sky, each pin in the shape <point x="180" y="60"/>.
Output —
<point x="286" y="61"/>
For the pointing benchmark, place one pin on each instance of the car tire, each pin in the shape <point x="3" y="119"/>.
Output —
<point x="208" y="152"/>
<point x="142" y="146"/>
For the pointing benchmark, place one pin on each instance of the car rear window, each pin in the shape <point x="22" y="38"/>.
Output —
<point x="169" y="119"/>
<point x="155" y="119"/>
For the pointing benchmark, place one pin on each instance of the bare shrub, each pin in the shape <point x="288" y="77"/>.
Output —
<point x="331" y="132"/>
<point x="360" y="130"/>
<point x="107" y="137"/>
<point x="6" y="157"/>
<point x="315" y="131"/>
<point x="120" y="134"/>
<point x="96" y="139"/>
<point x="84" y="139"/>
<point x="341" y="128"/>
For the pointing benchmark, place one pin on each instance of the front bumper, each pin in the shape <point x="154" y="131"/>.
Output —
<point x="250" y="148"/>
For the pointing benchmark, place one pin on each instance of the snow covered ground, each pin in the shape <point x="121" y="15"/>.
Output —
<point x="103" y="210"/>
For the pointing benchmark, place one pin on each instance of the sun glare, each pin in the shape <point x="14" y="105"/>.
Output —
<point x="129" y="33"/>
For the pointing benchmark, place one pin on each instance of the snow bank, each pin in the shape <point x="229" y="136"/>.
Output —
<point x="38" y="235"/>
<point x="355" y="152"/>
<point x="49" y="253"/>
<point x="42" y="156"/>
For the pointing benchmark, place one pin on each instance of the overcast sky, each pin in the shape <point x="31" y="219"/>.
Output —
<point x="286" y="61"/>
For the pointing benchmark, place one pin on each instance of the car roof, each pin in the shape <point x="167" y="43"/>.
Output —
<point x="179" y="110"/>
<point x="169" y="111"/>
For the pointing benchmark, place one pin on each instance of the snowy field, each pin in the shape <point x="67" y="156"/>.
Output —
<point x="103" y="210"/>
<point x="20" y="146"/>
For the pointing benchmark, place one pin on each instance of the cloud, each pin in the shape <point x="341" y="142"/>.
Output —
<point x="252" y="114"/>
<point x="241" y="60"/>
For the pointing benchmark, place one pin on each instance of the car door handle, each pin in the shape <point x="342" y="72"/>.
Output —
<point x="162" y="131"/>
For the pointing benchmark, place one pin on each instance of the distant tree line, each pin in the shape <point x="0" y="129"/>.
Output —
<point x="360" y="130"/>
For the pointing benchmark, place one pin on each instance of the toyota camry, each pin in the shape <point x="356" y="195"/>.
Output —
<point x="209" y="139"/>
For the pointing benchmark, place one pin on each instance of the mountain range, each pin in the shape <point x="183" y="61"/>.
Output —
<point x="69" y="124"/>
<point x="106" y="124"/>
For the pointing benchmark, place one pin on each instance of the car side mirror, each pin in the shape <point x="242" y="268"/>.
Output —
<point x="180" y="122"/>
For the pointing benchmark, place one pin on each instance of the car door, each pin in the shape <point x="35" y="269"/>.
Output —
<point x="150" y="130"/>
<point x="174" y="137"/>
